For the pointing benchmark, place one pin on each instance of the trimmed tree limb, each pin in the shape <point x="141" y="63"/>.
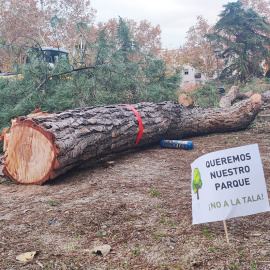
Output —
<point x="60" y="74"/>
<point x="227" y="100"/>
<point x="42" y="146"/>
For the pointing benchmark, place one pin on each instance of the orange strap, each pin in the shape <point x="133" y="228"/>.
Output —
<point x="140" y="124"/>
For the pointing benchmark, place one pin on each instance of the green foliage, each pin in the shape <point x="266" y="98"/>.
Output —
<point x="51" y="203"/>
<point x="124" y="73"/>
<point x="137" y="250"/>
<point x="243" y="35"/>
<point x="256" y="85"/>
<point x="207" y="95"/>
<point x="100" y="235"/>
<point x="154" y="192"/>
<point x="119" y="72"/>
<point x="55" y="20"/>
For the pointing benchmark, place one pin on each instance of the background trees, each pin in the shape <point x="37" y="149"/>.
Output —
<point x="119" y="71"/>
<point x="198" y="51"/>
<point x="144" y="33"/>
<point x="243" y="36"/>
<point x="125" y="58"/>
<point x="262" y="7"/>
<point x="30" y="23"/>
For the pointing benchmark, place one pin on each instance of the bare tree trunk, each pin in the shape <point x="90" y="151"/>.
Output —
<point x="42" y="146"/>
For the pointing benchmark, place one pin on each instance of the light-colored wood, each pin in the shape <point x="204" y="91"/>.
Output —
<point x="233" y="94"/>
<point x="226" y="101"/>
<point x="185" y="100"/>
<point x="256" y="98"/>
<point x="226" y="231"/>
<point x="30" y="155"/>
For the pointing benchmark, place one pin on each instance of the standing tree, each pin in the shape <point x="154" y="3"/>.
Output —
<point x="125" y="72"/>
<point x="119" y="72"/>
<point x="67" y="14"/>
<point x="18" y="20"/>
<point x="44" y="22"/>
<point x="243" y="35"/>
<point x="198" y="51"/>
<point x="144" y="33"/>
<point x="174" y="60"/>
<point x="262" y="7"/>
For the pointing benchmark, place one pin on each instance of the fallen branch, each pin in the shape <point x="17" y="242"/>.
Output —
<point x="49" y="76"/>
<point x="234" y="94"/>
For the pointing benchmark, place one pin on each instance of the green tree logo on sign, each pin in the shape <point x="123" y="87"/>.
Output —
<point x="197" y="182"/>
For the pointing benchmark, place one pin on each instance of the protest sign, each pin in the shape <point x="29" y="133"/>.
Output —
<point x="228" y="183"/>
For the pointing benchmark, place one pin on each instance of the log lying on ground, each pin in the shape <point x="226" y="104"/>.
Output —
<point x="43" y="146"/>
<point x="233" y="94"/>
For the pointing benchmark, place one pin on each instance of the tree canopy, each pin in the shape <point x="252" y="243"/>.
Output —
<point x="197" y="50"/>
<point x="118" y="70"/>
<point x="243" y="36"/>
<point x="262" y="7"/>
<point x="29" y="23"/>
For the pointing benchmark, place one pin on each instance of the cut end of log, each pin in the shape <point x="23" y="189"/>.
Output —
<point x="256" y="98"/>
<point x="31" y="155"/>
<point x="185" y="100"/>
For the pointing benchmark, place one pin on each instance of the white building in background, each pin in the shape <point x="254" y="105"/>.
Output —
<point x="191" y="76"/>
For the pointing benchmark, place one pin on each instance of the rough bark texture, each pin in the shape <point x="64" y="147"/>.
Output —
<point x="42" y="147"/>
<point x="227" y="100"/>
<point x="266" y="96"/>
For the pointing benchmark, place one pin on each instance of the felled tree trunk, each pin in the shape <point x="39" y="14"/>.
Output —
<point x="43" y="146"/>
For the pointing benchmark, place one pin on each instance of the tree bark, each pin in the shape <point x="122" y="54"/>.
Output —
<point x="233" y="94"/>
<point x="42" y="146"/>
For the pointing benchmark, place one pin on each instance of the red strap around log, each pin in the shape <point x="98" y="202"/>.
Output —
<point x="140" y="124"/>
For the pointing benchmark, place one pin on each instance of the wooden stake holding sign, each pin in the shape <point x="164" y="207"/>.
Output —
<point x="226" y="231"/>
<point x="231" y="184"/>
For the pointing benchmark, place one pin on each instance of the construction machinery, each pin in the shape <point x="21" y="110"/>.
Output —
<point x="50" y="55"/>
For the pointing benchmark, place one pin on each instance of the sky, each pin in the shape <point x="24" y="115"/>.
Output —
<point x="175" y="17"/>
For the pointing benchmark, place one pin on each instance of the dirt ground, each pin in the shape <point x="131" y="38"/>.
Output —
<point x="140" y="206"/>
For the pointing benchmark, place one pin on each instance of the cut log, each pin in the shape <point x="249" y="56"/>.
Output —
<point x="233" y="94"/>
<point x="185" y="100"/>
<point x="43" y="146"/>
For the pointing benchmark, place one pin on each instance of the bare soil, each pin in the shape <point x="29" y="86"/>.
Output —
<point x="140" y="206"/>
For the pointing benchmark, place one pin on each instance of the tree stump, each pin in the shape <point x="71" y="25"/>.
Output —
<point x="42" y="146"/>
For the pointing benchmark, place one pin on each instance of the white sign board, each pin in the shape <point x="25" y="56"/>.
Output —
<point x="228" y="183"/>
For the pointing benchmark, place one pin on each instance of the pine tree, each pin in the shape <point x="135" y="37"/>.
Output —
<point x="243" y="36"/>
